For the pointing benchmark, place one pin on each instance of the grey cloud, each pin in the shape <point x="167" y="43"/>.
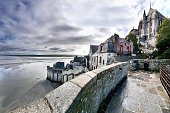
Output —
<point x="104" y="30"/>
<point x="64" y="28"/>
<point x="72" y="40"/>
<point x="10" y="48"/>
<point x="34" y="23"/>
<point x="112" y="16"/>
<point x="77" y="40"/>
<point x="62" y="49"/>
<point x="110" y="22"/>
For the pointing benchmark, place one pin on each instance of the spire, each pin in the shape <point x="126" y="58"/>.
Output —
<point x="150" y="5"/>
<point x="144" y="14"/>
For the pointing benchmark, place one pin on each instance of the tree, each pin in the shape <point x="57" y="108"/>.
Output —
<point x="163" y="40"/>
<point x="164" y="28"/>
<point x="132" y="37"/>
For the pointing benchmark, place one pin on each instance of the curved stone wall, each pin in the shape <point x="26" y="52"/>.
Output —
<point x="83" y="94"/>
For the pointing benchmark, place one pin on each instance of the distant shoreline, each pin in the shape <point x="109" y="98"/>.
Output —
<point x="41" y="55"/>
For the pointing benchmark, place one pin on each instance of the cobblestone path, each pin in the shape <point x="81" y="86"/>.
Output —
<point x="142" y="92"/>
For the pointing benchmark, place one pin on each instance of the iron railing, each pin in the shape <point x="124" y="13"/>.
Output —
<point x="165" y="78"/>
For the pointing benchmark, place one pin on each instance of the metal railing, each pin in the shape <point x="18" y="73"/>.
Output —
<point x="165" y="78"/>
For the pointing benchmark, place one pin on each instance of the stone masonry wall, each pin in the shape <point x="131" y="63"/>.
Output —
<point x="125" y="58"/>
<point x="153" y="63"/>
<point x="83" y="94"/>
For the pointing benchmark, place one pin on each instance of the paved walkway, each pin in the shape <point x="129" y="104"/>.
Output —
<point x="142" y="92"/>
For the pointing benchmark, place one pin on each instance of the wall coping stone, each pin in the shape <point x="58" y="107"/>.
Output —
<point x="62" y="97"/>
<point x="39" y="106"/>
<point x="82" y="80"/>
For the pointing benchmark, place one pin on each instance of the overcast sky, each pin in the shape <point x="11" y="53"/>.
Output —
<point x="69" y="26"/>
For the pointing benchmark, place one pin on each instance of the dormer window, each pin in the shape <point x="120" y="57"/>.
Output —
<point x="101" y="47"/>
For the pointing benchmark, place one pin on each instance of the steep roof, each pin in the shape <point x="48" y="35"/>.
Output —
<point x="111" y="39"/>
<point x="94" y="48"/>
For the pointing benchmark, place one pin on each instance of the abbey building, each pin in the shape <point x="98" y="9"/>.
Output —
<point x="148" y="28"/>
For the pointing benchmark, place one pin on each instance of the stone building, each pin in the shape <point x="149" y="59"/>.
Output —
<point x="104" y="53"/>
<point x="93" y="49"/>
<point x="148" y="28"/>
<point x="59" y="73"/>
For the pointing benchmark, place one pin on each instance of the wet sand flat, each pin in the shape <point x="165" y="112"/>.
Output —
<point x="23" y="80"/>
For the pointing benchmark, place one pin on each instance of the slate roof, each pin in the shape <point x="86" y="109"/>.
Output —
<point x="94" y="48"/>
<point x="111" y="39"/>
<point x="78" y="59"/>
<point x="59" y="65"/>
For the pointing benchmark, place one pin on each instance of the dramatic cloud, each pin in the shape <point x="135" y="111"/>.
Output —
<point x="68" y="25"/>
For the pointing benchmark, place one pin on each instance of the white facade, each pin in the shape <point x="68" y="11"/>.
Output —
<point x="101" y="59"/>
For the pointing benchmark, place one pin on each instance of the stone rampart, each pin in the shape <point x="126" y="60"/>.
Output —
<point x="152" y="64"/>
<point x="83" y="94"/>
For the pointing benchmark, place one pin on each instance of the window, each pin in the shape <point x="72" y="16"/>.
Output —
<point x="103" y="62"/>
<point x="100" y="59"/>
<point x="94" y="59"/>
<point x="121" y="49"/>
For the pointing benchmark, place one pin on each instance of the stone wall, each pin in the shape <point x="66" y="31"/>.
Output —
<point x="152" y="63"/>
<point x="124" y="58"/>
<point x="83" y="94"/>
